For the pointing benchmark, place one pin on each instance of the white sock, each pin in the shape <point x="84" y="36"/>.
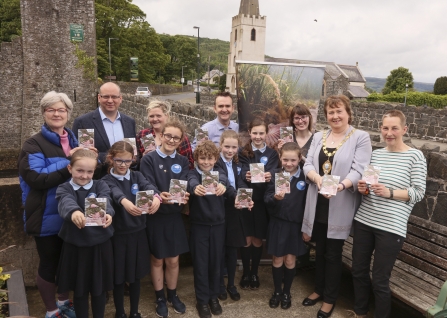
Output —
<point x="51" y="313"/>
<point x="61" y="302"/>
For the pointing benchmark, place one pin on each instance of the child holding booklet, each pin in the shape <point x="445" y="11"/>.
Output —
<point x="284" y="240"/>
<point x="165" y="229"/>
<point x="207" y="233"/>
<point x="86" y="264"/>
<point x="131" y="250"/>
<point x="236" y="233"/>
<point x="256" y="221"/>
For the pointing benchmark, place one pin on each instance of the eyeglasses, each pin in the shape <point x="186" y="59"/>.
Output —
<point x="106" y="97"/>
<point x="52" y="110"/>
<point x="302" y="118"/>
<point x="168" y="137"/>
<point x="120" y="162"/>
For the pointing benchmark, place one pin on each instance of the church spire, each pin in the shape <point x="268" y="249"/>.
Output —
<point x="249" y="7"/>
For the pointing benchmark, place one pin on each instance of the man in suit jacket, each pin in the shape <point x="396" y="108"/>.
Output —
<point x="109" y="124"/>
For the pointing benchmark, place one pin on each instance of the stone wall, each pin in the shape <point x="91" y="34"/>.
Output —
<point x="11" y="83"/>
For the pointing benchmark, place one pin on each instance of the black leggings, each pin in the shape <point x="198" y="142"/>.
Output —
<point x="49" y="249"/>
<point x="98" y="305"/>
<point x="134" y="293"/>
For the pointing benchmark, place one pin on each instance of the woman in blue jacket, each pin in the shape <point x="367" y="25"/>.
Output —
<point x="42" y="168"/>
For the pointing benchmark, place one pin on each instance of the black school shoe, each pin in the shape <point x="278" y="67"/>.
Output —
<point x="215" y="307"/>
<point x="204" y="311"/>
<point x="234" y="294"/>
<point x="245" y="282"/>
<point x="254" y="282"/>
<point x="286" y="301"/>
<point x="311" y="302"/>
<point x="323" y="314"/>
<point x="274" y="300"/>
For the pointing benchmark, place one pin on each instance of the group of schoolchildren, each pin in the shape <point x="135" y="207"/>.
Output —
<point x="110" y="258"/>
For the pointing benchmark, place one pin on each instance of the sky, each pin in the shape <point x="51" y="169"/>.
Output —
<point x="380" y="35"/>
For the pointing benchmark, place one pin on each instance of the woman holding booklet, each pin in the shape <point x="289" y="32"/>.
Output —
<point x="150" y="138"/>
<point x="380" y="224"/>
<point x="335" y="160"/>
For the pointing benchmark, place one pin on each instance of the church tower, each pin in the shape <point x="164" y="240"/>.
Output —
<point x="247" y="39"/>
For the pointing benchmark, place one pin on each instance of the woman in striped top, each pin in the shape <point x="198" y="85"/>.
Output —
<point x="380" y="224"/>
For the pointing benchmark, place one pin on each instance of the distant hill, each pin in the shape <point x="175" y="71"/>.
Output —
<point x="378" y="84"/>
<point x="216" y="49"/>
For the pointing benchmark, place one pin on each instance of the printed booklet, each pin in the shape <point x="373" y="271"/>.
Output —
<point x="243" y="197"/>
<point x="86" y="138"/>
<point x="144" y="199"/>
<point x="133" y="143"/>
<point x="177" y="189"/>
<point x="201" y="135"/>
<point x="148" y="142"/>
<point x="329" y="184"/>
<point x="286" y="134"/>
<point x="95" y="211"/>
<point x="210" y="180"/>
<point x="257" y="172"/>
<point x="371" y="174"/>
<point x="282" y="182"/>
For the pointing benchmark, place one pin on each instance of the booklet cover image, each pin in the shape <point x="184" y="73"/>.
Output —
<point x="95" y="211"/>
<point x="177" y="189"/>
<point x="257" y="172"/>
<point x="282" y="182"/>
<point x="210" y="180"/>
<point x="86" y="137"/>
<point x="243" y="197"/>
<point x="144" y="199"/>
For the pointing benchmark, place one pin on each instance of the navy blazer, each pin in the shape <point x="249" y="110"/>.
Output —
<point x="93" y="120"/>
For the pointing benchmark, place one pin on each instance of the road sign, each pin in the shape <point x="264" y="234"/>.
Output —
<point x="189" y="82"/>
<point x="76" y="32"/>
<point x="182" y="80"/>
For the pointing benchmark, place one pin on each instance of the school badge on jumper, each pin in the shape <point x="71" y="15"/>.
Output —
<point x="264" y="160"/>
<point x="134" y="188"/>
<point x="91" y="195"/>
<point x="301" y="185"/>
<point x="160" y="166"/>
<point x="176" y="168"/>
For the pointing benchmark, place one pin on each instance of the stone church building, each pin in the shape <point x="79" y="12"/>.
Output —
<point x="247" y="43"/>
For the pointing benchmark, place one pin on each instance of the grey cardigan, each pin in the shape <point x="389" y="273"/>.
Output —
<point x="349" y="162"/>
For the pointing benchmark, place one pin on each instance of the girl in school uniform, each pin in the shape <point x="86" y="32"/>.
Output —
<point x="86" y="264"/>
<point x="131" y="250"/>
<point x="165" y="229"/>
<point x="256" y="221"/>
<point x="236" y="233"/>
<point x="284" y="240"/>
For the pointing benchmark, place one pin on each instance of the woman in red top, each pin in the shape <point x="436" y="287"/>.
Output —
<point x="158" y="116"/>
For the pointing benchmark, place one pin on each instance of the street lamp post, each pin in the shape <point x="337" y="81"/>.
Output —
<point x="406" y="91"/>
<point x="183" y="79"/>
<point x="110" y="60"/>
<point x="198" y="65"/>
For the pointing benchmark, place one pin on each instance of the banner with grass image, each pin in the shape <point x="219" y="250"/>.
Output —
<point x="270" y="90"/>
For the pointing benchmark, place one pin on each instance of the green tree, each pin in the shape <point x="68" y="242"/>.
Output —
<point x="440" y="87"/>
<point x="396" y="81"/>
<point x="222" y="82"/>
<point x="10" y="20"/>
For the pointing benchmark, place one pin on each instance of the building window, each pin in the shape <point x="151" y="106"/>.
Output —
<point x="234" y="60"/>
<point x="235" y="35"/>
<point x="253" y="34"/>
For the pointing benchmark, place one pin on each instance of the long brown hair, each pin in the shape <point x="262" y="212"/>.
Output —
<point x="229" y="134"/>
<point x="247" y="151"/>
<point x="118" y="147"/>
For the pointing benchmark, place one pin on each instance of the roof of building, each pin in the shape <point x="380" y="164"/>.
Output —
<point x="213" y="73"/>
<point x="249" y="7"/>
<point x="334" y="70"/>
<point x="357" y="91"/>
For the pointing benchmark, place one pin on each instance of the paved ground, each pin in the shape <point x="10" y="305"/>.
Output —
<point x="253" y="304"/>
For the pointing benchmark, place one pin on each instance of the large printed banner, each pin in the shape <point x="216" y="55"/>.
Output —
<point x="270" y="90"/>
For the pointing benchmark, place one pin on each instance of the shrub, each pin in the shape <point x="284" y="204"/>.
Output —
<point x="440" y="87"/>
<point x="413" y="98"/>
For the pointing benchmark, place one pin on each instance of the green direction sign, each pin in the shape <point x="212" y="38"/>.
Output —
<point x="76" y="32"/>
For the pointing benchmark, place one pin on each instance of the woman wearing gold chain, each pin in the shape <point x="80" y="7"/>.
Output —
<point x="340" y="151"/>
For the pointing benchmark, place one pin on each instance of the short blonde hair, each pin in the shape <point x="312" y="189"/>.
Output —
<point x="396" y="113"/>
<point x="163" y="105"/>
<point x="52" y="98"/>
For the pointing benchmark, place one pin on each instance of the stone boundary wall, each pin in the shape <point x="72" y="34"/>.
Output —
<point x="423" y="122"/>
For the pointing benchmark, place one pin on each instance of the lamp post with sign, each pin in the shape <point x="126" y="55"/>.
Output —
<point x="110" y="60"/>
<point x="183" y="79"/>
<point x="198" y="65"/>
<point x="406" y="91"/>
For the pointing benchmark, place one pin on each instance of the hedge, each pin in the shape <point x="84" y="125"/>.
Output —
<point x="413" y="98"/>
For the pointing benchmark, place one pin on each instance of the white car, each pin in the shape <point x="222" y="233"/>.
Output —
<point x="143" y="91"/>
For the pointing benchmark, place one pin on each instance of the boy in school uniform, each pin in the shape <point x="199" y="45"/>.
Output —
<point x="207" y="233"/>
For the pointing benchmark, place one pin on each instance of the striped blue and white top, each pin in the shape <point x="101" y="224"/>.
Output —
<point x="399" y="170"/>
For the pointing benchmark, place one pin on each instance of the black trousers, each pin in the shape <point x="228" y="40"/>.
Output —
<point x="328" y="263"/>
<point x="49" y="249"/>
<point x="207" y="246"/>
<point x="386" y="246"/>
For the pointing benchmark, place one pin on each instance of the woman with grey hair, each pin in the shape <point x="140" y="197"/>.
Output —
<point x="42" y="166"/>
<point x="158" y="115"/>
